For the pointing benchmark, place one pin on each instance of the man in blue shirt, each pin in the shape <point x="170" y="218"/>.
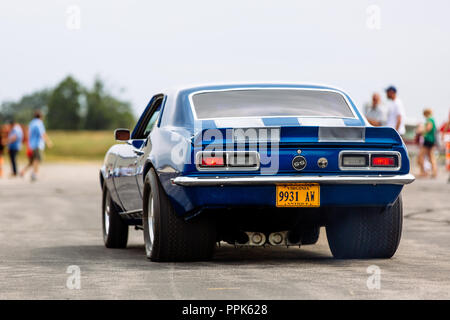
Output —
<point x="15" y="138"/>
<point x="37" y="140"/>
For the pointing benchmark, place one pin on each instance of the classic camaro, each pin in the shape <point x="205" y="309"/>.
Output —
<point x="254" y="165"/>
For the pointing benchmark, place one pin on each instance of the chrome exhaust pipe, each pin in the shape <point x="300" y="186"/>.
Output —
<point x="256" y="238"/>
<point x="283" y="238"/>
<point x="278" y="238"/>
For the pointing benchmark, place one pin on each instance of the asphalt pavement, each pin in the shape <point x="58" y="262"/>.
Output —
<point x="51" y="248"/>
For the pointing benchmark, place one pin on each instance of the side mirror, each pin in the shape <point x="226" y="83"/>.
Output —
<point x="122" y="134"/>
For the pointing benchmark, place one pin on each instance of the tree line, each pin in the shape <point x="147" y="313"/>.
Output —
<point x="72" y="106"/>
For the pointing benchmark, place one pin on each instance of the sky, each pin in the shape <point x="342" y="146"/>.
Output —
<point x="142" y="47"/>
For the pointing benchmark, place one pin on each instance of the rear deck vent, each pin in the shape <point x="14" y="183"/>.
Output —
<point x="344" y="134"/>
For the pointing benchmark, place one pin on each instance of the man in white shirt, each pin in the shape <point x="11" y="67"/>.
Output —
<point x="395" y="111"/>
<point x="375" y="112"/>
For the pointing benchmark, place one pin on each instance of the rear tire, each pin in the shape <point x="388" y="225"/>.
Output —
<point x="366" y="233"/>
<point x="115" y="230"/>
<point x="168" y="237"/>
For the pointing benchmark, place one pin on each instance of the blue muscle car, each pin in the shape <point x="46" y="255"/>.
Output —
<point x="254" y="165"/>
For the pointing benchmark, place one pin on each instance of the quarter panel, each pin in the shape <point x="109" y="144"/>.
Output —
<point x="107" y="171"/>
<point x="125" y="177"/>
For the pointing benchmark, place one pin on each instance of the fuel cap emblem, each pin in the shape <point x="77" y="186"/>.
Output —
<point x="299" y="163"/>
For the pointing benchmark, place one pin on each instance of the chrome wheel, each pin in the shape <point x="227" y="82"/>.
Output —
<point x="106" y="214"/>
<point x="150" y="230"/>
<point x="151" y="220"/>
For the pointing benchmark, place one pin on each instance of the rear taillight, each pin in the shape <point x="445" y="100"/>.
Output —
<point x="355" y="160"/>
<point x="208" y="162"/>
<point x="384" y="161"/>
<point x="228" y="160"/>
<point x="243" y="159"/>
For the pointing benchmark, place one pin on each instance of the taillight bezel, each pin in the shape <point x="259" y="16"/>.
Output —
<point x="369" y="167"/>
<point x="228" y="166"/>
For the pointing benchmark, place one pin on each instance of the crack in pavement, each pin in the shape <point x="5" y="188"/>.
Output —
<point x="431" y="220"/>
<point x="412" y="215"/>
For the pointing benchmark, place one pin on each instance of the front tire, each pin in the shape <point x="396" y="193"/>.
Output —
<point x="168" y="237"/>
<point x="115" y="230"/>
<point x="366" y="233"/>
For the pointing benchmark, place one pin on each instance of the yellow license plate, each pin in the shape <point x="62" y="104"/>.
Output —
<point x="298" y="195"/>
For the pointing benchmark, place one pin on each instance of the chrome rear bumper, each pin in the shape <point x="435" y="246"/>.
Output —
<point x="274" y="180"/>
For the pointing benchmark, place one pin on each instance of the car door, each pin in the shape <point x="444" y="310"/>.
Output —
<point x="147" y="145"/>
<point x="130" y="157"/>
<point x="125" y="175"/>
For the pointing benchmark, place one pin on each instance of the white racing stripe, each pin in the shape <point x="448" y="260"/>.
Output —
<point x="321" y="122"/>
<point x="258" y="122"/>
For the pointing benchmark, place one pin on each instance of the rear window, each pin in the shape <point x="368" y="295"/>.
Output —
<point x="270" y="103"/>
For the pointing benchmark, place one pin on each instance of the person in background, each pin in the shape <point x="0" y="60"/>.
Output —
<point x="15" y="137"/>
<point x="395" y="111"/>
<point x="37" y="140"/>
<point x="429" y="142"/>
<point x="3" y="138"/>
<point x="445" y="136"/>
<point x="29" y="153"/>
<point x="374" y="113"/>
<point x="445" y="128"/>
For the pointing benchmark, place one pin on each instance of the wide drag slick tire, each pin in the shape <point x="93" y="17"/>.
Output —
<point x="115" y="230"/>
<point x="366" y="233"/>
<point x="168" y="237"/>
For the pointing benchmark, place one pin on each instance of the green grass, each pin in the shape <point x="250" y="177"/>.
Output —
<point x="77" y="145"/>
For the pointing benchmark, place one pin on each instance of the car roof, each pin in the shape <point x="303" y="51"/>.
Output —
<point x="182" y="115"/>
<point x="242" y="85"/>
